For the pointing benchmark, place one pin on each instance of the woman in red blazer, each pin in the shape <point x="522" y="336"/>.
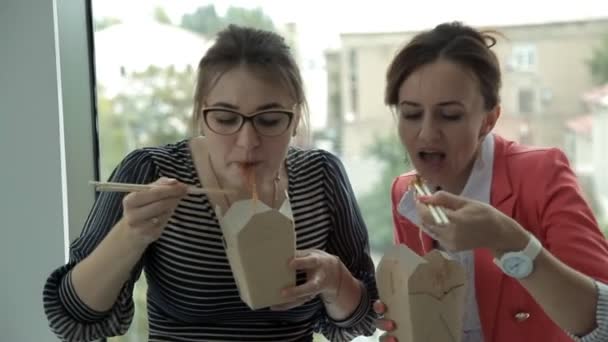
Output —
<point x="518" y="223"/>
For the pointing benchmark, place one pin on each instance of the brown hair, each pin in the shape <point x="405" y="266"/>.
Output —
<point x="454" y="42"/>
<point x="262" y="51"/>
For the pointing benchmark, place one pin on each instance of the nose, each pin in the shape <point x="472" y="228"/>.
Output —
<point x="247" y="137"/>
<point x="429" y="130"/>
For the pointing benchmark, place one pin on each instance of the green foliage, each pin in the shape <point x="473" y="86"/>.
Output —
<point x="376" y="205"/>
<point x="604" y="226"/>
<point x="112" y="137"/>
<point x="103" y="23"/>
<point x="598" y="64"/>
<point x="161" y="16"/>
<point x="157" y="109"/>
<point x="249" y="17"/>
<point x="206" y="21"/>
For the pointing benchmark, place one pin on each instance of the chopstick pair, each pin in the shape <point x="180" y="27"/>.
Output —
<point x="127" y="187"/>
<point x="438" y="213"/>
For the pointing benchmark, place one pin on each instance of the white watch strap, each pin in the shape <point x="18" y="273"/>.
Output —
<point x="533" y="247"/>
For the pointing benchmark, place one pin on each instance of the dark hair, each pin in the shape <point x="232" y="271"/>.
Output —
<point x="262" y="51"/>
<point x="454" y="42"/>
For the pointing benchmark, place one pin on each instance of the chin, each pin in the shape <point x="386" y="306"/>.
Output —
<point x="431" y="177"/>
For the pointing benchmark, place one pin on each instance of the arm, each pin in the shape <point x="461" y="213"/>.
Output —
<point x="350" y="312"/>
<point x="601" y="332"/>
<point x="575" y="250"/>
<point x="99" y="261"/>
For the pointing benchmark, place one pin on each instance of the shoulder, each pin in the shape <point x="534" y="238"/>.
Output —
<point x="169" y="154"/>
<point x="401" y="185"/>
<point x="303" y="160"/>
<point x="529" y="160"/>
<point x="317" y="166"/>
<point x="156" y="160"/>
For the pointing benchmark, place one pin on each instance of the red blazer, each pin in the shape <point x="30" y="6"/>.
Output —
<point x="538" y="189"/>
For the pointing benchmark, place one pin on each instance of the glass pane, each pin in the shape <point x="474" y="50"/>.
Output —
<point x="147" y="54"/>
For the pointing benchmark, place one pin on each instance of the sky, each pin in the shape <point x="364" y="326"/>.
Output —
<point x="333" y="17"/>
<point x="319" y="24"/>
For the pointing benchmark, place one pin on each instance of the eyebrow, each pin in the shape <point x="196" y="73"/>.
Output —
<point x="443" y="103"/>
<point x="270" y="105"/>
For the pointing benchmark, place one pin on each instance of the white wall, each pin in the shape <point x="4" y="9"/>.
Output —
<point x="33" y="208"/>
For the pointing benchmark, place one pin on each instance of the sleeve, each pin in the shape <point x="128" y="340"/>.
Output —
<point x="600" y="334"/>
<point x="568" y="227"/>
<point x="70" y="318"/>
<point x="349" y="241"/>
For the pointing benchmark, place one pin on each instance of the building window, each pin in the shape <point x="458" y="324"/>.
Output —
<point x="354" y="83"/>
<point x="526" y="101"/>
<point x="523" y="57"/>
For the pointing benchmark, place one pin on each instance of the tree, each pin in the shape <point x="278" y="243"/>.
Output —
<point x="103" y="23"/>
<point x="157" y="111"/>
<point x="376" y="205"/>
<point x="598" y="64"/>
<point x="206" y="21"/>
<point x="249" y="17"/>
<point x="203" y="20"/>
<point x="161" y="16"/>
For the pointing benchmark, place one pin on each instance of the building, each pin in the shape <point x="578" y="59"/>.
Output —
<point x="134" y="46"/>
<point x="544" y="74"/>
<point x="597" y="99"/>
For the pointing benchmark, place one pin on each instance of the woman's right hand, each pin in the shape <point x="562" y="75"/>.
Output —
<point x="146" y="213"/>
<point x="384" y="324"/>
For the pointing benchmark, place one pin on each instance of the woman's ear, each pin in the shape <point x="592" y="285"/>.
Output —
<point x="199" y="127"/>
<point x="296" y="123"/>
<point x="489" y="121"/>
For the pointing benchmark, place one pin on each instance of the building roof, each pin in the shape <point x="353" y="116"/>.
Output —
<point x="502" y="26"/>
<point x="137" y="45"/>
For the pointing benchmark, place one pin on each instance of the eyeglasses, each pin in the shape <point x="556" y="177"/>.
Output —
<point x="268" y="122"/>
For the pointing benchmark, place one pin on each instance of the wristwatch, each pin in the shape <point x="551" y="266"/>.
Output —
<point x="520" y="264"/>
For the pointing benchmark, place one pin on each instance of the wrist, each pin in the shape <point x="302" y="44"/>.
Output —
<point x="333" y="292"/>
<point x="511" y="237"/>
<point x="126" y="239"/>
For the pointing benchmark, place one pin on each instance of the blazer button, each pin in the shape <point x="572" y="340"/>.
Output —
<point x="522" y="316"/>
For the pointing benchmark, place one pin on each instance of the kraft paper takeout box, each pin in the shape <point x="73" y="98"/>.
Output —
<point x="424" y="295"/>
<point x="260" y="241"/>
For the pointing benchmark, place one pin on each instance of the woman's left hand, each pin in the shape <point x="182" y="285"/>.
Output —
<point x="323" y="272"/>
<point x="472" y="224"/>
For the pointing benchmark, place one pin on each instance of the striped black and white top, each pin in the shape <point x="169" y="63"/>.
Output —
<point x="600" y="333"/>
<point x="192" y="295"/>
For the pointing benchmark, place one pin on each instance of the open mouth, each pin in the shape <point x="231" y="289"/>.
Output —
<point x="248" y="165"/>
<point x="431" y="157"/>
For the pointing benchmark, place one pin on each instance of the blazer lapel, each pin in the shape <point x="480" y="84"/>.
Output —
<point x="488" y="276"/>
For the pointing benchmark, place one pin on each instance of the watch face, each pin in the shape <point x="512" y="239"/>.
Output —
<point x="517" y="266"/>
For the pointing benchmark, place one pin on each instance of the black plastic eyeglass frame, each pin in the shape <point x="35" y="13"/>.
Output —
<point x="245" y="118"/>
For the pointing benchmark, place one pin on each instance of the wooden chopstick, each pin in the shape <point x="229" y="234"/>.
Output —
<point x="438" y="213"/>
<point x="127" y="187"/>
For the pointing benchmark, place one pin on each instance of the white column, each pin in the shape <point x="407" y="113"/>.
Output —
<point x="44" y="196"/>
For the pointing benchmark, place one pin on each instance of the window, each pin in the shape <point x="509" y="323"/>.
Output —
<point x="144" y="91"/>
<point x="524" y="57"/>
<point x="354" y="84"/>
<point x="526" y="101"/>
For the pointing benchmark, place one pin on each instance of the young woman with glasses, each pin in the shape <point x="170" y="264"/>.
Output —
<point x="248" y="104"/>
